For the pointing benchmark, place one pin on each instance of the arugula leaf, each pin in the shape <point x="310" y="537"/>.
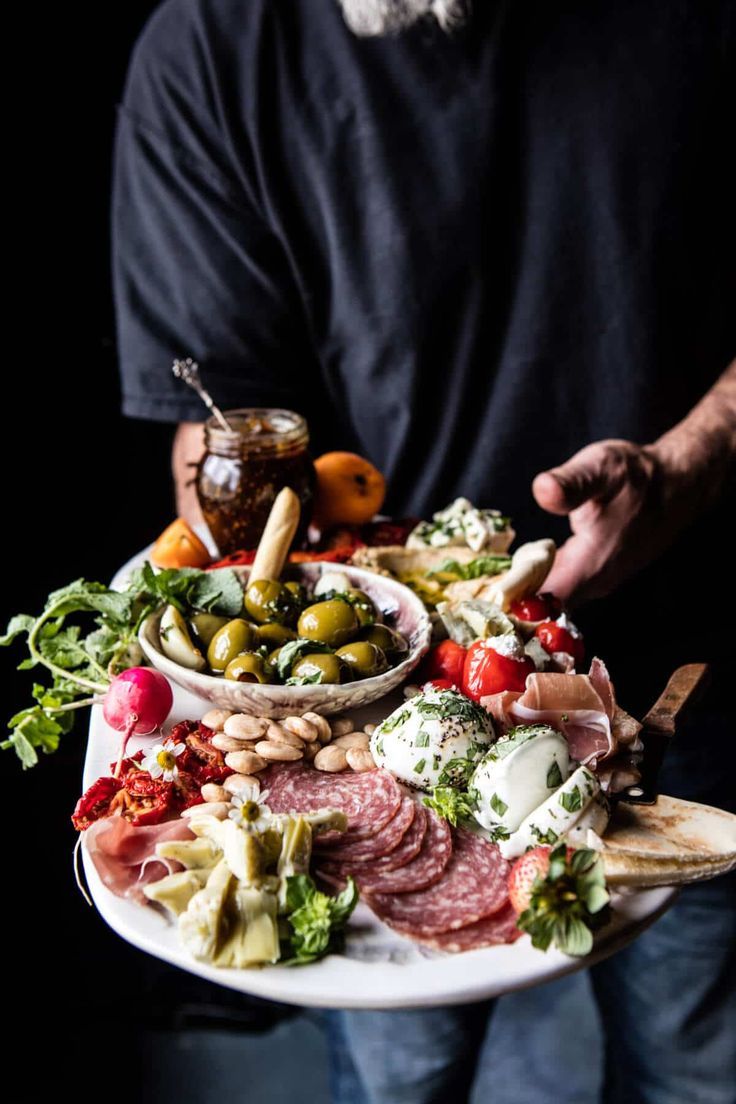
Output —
<point x="316" y="919"/>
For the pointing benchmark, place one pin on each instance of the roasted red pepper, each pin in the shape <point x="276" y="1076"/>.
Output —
<point x="487" y="672"/>
<point x="445" y="661"/>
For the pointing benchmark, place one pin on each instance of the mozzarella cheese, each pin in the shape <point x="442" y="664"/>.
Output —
<point x="420" y="738"/>
<point x="556" y="816"/>
<point x="517" y="775"/>
<point x="462" y="524"/>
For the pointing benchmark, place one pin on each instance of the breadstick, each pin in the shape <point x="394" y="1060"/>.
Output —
<point x="277" y="536"/>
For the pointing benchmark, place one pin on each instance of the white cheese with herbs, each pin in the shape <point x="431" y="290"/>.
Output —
<point x="516" y="775"/>
<point x="421" y="738"/>
<point x="556" y="816"/>
<point x="463" y="525"/>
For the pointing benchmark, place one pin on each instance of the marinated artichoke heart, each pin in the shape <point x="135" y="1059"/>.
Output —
<point x="176" y="641"/>
<point x="516" y="775"/>
<point x="473" y="619"/>
<point x="420" y="739"/>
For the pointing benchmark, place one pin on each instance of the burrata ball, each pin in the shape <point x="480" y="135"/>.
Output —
<point x="517" y="774"/>
<point x="430" y="732"/>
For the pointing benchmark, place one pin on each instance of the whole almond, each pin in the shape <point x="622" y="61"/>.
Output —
<point x="340" y="725"/>
<point x="324" y="732"/>
<point x="218" y="809"/>
<point x="278" y="753"/>
<point x="279" y="734"/>
<point x="352" y="740"/>
<point x="241" y="726"/>
<point x="331" y="758"/>
<point x="234" y="783"/>
<point x="215" y="719"/>
<point x="370" y="728"/>
<point x="311" y="751"/>
<point x="302" y="728"/>
<point x="229" y="743"/>
<point x="360" y="759"/>
<point x="212" y="792"/>
<point x="245" y="762"/>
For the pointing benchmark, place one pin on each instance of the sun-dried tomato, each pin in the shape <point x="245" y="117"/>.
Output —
<point x="95" y="802"/>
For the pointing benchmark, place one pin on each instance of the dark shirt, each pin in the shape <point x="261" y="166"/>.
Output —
<point x="463" y="255"/>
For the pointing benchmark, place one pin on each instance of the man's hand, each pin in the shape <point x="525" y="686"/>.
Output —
<point x="186" y="452"/>
<point x="627" y="503"/>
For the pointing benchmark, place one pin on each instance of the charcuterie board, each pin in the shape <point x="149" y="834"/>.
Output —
<point x="378" y="968"/>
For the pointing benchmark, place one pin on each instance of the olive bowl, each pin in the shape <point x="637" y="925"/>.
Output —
<point x="401" y="608"/>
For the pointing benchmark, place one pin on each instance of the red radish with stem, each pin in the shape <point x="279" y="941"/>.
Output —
<point x="138" y="702"/>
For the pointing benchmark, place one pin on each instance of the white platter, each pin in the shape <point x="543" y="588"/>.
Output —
<point x="379" y="969"/>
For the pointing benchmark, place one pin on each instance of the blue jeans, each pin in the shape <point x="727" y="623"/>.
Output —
<point x="666" y="1003"/>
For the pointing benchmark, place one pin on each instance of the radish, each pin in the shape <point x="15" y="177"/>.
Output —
<point x="138" y="702"/>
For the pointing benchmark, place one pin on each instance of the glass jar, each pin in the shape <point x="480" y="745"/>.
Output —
<point x="242" y="471"/>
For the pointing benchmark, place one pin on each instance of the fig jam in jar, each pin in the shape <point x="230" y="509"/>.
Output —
<point x="242" y="471"/>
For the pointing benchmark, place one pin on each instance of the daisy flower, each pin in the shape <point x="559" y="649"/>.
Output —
<point x="161" y="760"/>
<point x="247" y="810"/>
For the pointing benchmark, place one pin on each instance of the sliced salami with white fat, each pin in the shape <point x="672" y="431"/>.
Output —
<point x="426" y="868"/>
<point x="492" y="930"/>
<point x="408" y="849"/>
<point x="375" y="847"/>
<point x="369" y="799"/>
<point x="473" y="885"/>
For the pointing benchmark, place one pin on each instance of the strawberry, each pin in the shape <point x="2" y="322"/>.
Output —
<point x="559" y="895"/>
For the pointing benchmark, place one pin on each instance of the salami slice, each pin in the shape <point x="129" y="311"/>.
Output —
<point x="369" y="799"/>
<point x="407" y="850"/>
<point x="424" y="870"/>
<point x="383" y="842"/>
<point x="473" y="885"/>
<point x="492" y="930"/>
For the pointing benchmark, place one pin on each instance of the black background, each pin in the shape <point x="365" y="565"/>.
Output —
<point x="84" y="489"/>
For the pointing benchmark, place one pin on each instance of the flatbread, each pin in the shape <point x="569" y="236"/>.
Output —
<point x="669" y="843"/>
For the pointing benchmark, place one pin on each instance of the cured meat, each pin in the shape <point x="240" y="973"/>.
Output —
<point x="492" y="930"/>
<point x="473" y="885"/>
<point x="125" y="857"/>
<point x="423" y="871"/>
<point x="410" y="844"/>
<point x="382" y="843"/>
<point x="369" y="799"/>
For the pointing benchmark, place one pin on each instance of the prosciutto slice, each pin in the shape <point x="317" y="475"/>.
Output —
<point x="582" y="707"/>
<point x="125" y="857"/>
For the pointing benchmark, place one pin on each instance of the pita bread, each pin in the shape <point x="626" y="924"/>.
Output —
<point x="670" y="843"/>
<point x="395" y="559"/>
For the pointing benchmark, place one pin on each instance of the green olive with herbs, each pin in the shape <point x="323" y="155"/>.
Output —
<point x="248" y="667"/>
<point x="299" y="593"/>
<point x="333" y="623"/>
<point x="233" y="638"/>
<point x="364" y="606"/>
<point x="205" y="626"/>
<point x="329" y="667"/>
<point x="364" y="659"/>
<point x="391" y="643"/>
<point x="268" y="600"/>
<point x="273" y="635"/>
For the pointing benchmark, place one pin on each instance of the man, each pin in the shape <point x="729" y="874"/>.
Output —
<point x="491" y="249"/>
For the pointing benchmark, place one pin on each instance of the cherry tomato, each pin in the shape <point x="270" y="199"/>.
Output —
<point x="536" y="607"/>
<point x="486" y="671"/>
<point x="445" y="662"/>
<point x="555" y="638"/>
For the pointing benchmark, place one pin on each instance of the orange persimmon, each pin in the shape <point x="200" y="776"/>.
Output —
<point x="350" y="490"/>
<point x="179" y="546"/>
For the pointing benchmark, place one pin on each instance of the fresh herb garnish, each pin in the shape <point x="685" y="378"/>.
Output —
<point x="394" y="720"/>
<point x="457" y="772"/>
<point x="451" y="804"/>
<point x="297" y="649"/>
<point x="422" y="739"/>
<point x="572" y="800"/>
<point x="550" y="836"/>
<point x="419" y="766"/>
<point x="554" y="776"/>
<point x="483" y="565"/>
<point x="305" y="680"/>
<point x="500" y="807"/>
<point x="316" y="920"/>
<point x="452" y="703"/>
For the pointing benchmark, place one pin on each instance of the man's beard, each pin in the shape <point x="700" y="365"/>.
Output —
<point x="380" y="17"/>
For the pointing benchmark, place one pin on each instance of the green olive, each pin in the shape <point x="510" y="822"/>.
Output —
<point x="388" y="640"/>
<point x="206" y="625"/>
<point x="248" y="667"/>
<point x="267" y="600"/>
<point x="299" y="592"/>
<point x="333" y="623"/>
<point x="363" y="658"/>
<point x="233" y="638"/>
<point x="273" y="635"/>
<point x="330" y="667"/>
<point x="364" y="607"/>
